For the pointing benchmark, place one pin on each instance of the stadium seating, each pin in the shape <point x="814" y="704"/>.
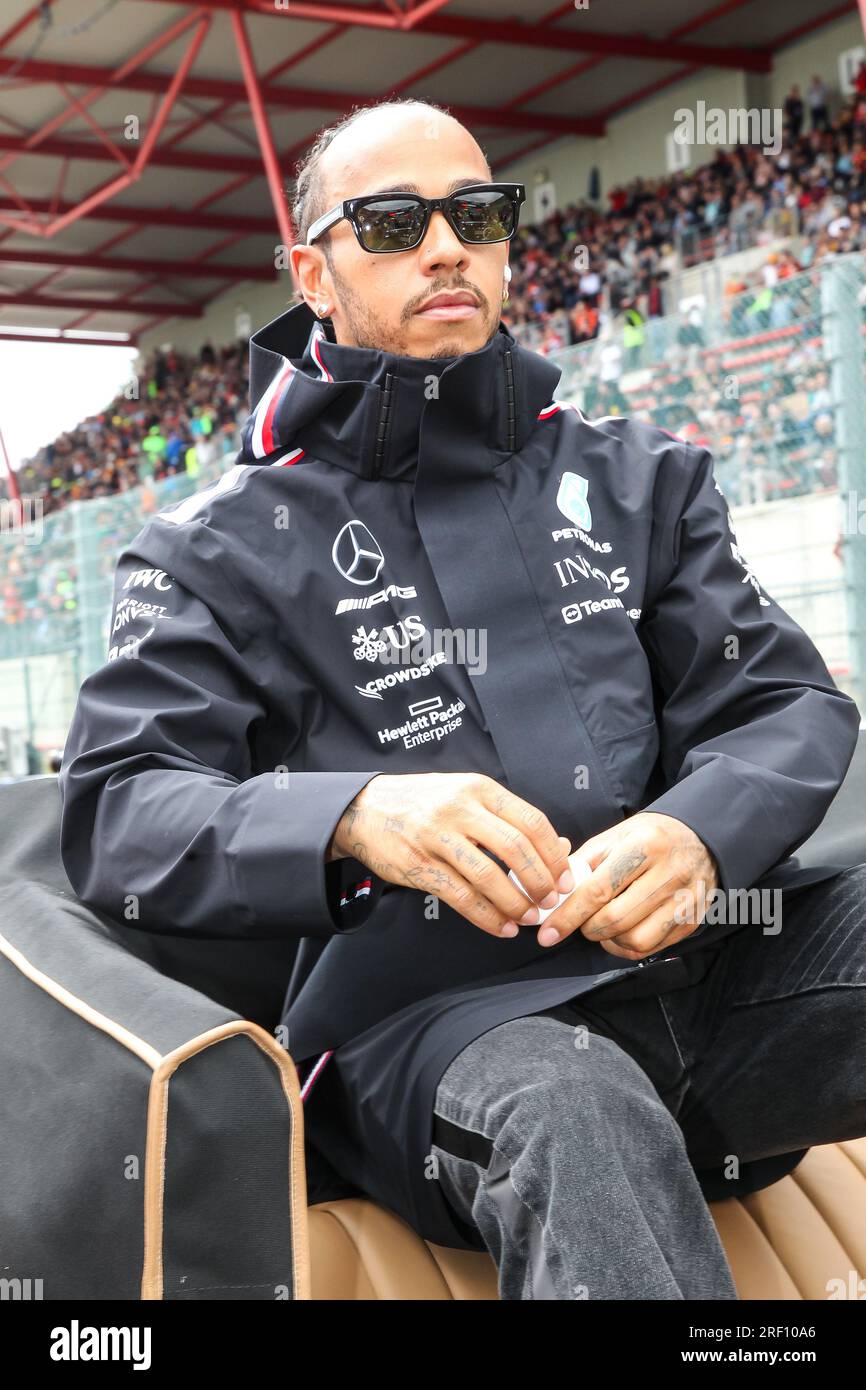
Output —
<point x="151" y="1143"/>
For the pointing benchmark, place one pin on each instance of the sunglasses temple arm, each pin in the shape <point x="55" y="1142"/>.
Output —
<point x="325" y="223"/>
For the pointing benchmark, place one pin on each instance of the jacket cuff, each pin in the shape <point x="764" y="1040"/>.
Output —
<point x="352" y="891"/>
<point x="710" y="800"/>
<point x="281" y="877"/>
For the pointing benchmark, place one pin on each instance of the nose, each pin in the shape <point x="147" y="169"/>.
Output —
<point x="442" y="246"/>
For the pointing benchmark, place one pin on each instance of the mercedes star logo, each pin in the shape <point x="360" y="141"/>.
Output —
<point x="357" y="554"/>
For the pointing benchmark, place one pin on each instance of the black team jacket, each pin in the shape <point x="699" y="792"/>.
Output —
<point x="430" y="565"/>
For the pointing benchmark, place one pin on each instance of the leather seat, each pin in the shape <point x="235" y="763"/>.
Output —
<point x="791" y="1240"/>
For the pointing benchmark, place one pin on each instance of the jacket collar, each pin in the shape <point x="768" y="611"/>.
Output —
<point x="364" y="409"/>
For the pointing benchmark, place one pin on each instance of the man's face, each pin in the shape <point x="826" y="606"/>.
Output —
<point x="379" y="301"/>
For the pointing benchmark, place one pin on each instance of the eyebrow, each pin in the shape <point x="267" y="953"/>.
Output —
<point x="413" y="187"/>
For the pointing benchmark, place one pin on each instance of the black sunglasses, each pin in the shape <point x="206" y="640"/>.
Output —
<point x="480" y="214"/>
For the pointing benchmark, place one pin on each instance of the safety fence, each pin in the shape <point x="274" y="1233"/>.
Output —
<point x="56" y="583"/>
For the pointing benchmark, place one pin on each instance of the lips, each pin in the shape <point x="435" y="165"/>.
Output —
<point x="460" y="305"/>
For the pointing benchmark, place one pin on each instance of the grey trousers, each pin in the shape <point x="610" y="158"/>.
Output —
<point x="569" y="1139"/>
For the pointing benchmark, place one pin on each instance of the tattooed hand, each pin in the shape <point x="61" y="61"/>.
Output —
<point x="642" y="893"/>
<point x="429" y="830"/>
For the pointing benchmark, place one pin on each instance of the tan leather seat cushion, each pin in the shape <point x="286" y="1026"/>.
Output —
<point x="789" y="1241"/>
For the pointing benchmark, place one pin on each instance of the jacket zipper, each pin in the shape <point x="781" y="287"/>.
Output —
<point x="383" y="424"/>
<point x="511" y="442"/>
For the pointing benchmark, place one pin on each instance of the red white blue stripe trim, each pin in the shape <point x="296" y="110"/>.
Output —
<point x="556" y="406"/>
<point x="358" y="890"/>
<point x="554" y="409"/>
<point x="262" y="440"/>
<point x="286" y="459"/>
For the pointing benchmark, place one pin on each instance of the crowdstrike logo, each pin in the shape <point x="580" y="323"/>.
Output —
<point x="373" y="689"/>
<point x="357" y="554"/>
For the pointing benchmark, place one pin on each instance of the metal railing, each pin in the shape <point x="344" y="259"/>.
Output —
<point x="56" y="584"/>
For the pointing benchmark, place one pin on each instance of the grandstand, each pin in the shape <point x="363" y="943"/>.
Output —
<point x="717" y="291"/>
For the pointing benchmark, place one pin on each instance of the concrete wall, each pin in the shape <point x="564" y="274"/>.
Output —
<point x="818" y="53"/>
<point x="261" y="302"/>
<point x="635" y="142"/>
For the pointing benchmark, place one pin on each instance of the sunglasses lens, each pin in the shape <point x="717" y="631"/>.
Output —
<point x="390" y="224"/>
<point x="486" y="215"/>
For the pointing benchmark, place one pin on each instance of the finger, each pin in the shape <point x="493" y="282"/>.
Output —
<point x="483" y="873"/>
<point x="680" y="911"/>
<point x="629" y="909"/>
<point x="660" y="930"/>
<point x="618" y="865"/>
<point x="431" y="874"/>
<point x="514" y="848"/>
<point x="533" y="823"/>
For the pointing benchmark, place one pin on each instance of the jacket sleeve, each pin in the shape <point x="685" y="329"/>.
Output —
<point x="163" y="824"/>
<point x="755" y="737"/>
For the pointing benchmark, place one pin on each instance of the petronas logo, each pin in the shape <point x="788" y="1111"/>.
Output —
<point x="572" y="501"/>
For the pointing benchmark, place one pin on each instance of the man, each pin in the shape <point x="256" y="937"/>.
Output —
<point x="433" y="630"/>
<point x="793" y="118"/>
<point x="818" y="103"/>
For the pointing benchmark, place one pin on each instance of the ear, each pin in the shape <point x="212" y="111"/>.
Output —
<point x="311" y="274"/>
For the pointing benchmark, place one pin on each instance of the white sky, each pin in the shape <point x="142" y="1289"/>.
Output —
<point x="46" y="388"/>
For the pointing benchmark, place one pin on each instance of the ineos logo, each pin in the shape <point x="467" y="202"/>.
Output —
<point x="357" y="554"/>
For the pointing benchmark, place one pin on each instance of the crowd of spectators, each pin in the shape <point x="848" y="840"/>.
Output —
<point x="770" y="441"/>
<point x="173" y="422"/>
<point x="584" y="267"/>
<point x="178" y="415"/>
